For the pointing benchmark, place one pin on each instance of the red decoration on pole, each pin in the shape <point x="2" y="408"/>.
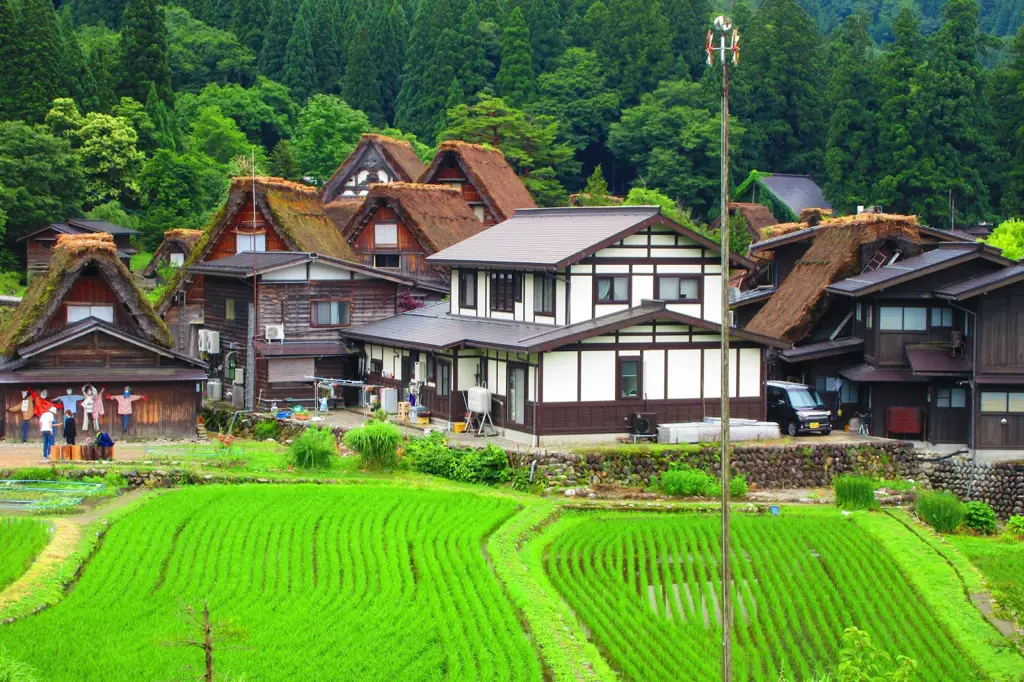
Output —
<point x="735" y="46"/>
<point x="710" y="48"/>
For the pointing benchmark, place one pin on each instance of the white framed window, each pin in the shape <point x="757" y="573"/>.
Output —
<point x="1001" y="401"/>
<point x="942" y="317"/>
<point x="250" y="242"/>
<point x="79" y="312"/>
<point x="951" y="397"/>
<point x="177" y="259"/>
<point x="385" y="234"/>
<point x="331" y="313"/>
<point x="895" y="318"/>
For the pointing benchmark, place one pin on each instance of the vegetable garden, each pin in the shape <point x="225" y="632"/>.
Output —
<point x="800" y="580"/>
<point x="361" y="582"/>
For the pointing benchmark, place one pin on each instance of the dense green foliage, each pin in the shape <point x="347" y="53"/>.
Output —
<point x="313" y="449"/>
<point x="1002" y="565"/>
<point x="22" y="540"/>
<point x="396" y="576"/>
<point x="979" y="517"/>
<point x="1015" y="526"/>
<point x="432" y="455"/>
<point x="376" y="441"/>
<point x="854" y="492"/>
<point x="687" y="483"/>
<point x="942" y="511"/>
<point x="265" y="430"/>
<point x="800" y="580"/>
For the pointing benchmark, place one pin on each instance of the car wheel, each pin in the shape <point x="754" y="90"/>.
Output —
<point x="791" y="428"/>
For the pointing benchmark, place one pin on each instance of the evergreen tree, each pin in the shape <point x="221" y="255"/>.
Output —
<point x="275" y="43"/>
<point x="474" y="69"/>
<point x="102" y="64"/>
<point x="326" y="33"/>
<point x="144" y="52"/>
<point x="388" y="32"/>
<point x="431" y="58"/>
<point x="283" y="163"/>
<point x="688" y="22"/>
<point x="635" y="47"/>
<point x="38" y="73"/>
<point x="249" y="21"/>
<point x="79" y="81"/>
<point x="203" y="10"/>
<point x="456" y="96"/>
<point x="9" y="54"/>
<point x="783" y="61"/>
<point x="596" y="191"/>
<point x="516" y="80"/>
<point x="852" y="133"/>
<point x="299" y="63"/>
<point x="361" y="88"/>
<point x="165" y="129"/>
<point x="1007" y="104"/>
<point x="545" y="29"/>
<point x="107" y="12"/>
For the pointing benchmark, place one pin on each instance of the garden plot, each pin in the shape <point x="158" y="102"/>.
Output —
<point x="646" y="589"/>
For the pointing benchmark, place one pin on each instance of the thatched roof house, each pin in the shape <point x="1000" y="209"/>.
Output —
<point x="785" y="194"/>
<point x="340" y="211"/>
<point x="178" y="241"/>
<point x="72" y="256"/>
<point x="839" y="249"/>
<point x="756" y="216"/>
<point x="483" y="176"/>
<point x="376" y="159"/>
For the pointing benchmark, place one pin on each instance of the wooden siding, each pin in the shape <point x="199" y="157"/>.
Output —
<point x="992" y="434"/>
<point x="448" y="173"/>
<point x="616" y="416"/>
<point x="371" y="300"/>
<point x="179" y="319"/>
<point x="246" y="221"/>
<point x="1001" y="321"/>
<point x="217" y="291"/>
<point x="100" y="350"/>
<point x="948" y="424"/>
<point x="334" y="367"/>
<point x="411" y="253"/>
<point x="93" y="289"/>
<point x="884" y="396"/>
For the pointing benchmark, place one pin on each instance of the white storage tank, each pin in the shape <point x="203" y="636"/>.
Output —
<point x="389" y="400"/>
<point x="478" y="399"/>
<point x="214" y="389"/>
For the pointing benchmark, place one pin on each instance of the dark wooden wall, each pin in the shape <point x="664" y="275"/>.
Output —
<point x="884" y="396"/>
<point x="336" y="367"/>
<point x="371" y="299"/>
<point x="949" y="424"/>
<point x="616" y="416"/>
<point x="92" y="288"/>
<point x="411" y="253"/>
<point x="1001" y="333"/>
<point x="243" y="222"/>
<point x="216" y="292"/>
<point x="449" y="169"/>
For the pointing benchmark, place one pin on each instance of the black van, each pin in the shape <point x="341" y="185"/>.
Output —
<point x="797" y="408"/>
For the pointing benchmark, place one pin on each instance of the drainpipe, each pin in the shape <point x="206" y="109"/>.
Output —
<point x="537" y="385"/>
<point x="973" y="384"/>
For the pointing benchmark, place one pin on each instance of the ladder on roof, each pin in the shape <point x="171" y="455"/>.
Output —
<point x="881" y="258"/>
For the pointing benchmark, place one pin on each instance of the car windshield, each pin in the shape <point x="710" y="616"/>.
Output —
<point x="801" y="398"/>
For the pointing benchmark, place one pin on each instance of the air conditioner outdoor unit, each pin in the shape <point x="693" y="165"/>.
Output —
<point x="212" y="342"/>
<point x="239" y="376"/>
<point x="275" y="332"/>
<point x="644" y="424"/>
<point x="478" y="399"/>
<point x="203" y="343"/>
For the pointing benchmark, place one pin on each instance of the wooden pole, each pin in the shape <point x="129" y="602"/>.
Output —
<point x="726" y="580"/>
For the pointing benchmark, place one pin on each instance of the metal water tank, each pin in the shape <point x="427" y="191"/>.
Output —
<point x="214" y="389"/>
<point x="478" y="399"/>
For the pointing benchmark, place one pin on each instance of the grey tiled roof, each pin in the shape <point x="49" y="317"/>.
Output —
<point x="946" y="255"/>
<point x="979" y="285"/>
<point x="796" y="191"/>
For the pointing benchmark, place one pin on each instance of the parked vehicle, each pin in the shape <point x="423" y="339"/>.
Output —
<point x="797" y="409"/>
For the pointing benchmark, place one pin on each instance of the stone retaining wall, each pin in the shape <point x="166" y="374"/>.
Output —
<point x="169" y="477"/>
<point x="778" y="466"/>
<point x="1001" y="485"/>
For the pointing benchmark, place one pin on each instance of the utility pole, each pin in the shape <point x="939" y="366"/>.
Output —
<point x="728" y="48"/>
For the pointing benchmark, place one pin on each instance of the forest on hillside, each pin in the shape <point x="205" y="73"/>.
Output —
<point x="139" y="112"/>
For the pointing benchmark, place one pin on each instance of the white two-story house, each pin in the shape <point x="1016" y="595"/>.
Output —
<point x="575" y="319"/>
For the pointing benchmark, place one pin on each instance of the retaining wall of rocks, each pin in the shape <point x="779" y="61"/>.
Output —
<point x="217" y="420"/>
<point x="767" y="466"/>
<point x="1001" y="485"/>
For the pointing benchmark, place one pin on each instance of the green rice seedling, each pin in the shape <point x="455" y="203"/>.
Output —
<point x="942" y="511"/>
<point x="313" y="449"/>
<point x="980" y="517"/>
<point x="13" y="671"/>
<point x="687" y="483"/>
<point x="854" y="492"/>
<point x="376" y="442"/>
<point x="21" y="540"/>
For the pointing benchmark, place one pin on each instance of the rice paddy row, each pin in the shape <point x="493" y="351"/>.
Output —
<point x="357" y="583"/>
<point x="21" y="540"/>
<point x="798" y="582"/>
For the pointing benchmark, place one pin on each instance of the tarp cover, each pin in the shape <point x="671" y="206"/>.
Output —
<point x="281" y="370"/>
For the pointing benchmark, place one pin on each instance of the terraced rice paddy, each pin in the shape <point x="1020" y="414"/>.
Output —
<point x="646" y="590"/>
<point x="360" y="582"/>
<point x="21" y="540"/>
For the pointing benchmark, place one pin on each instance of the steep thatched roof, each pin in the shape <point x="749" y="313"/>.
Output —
<point x="398" y="154"/>
<point x="757" y="216"/>
<point x="72" y="254"/>
<point x="436" y="215"/>
<point x="294" y="211"/>
<point x="183" y="239"/>
<point x="340" y="211"/>
<point x="835" y="254"/>
<point x="499" y="186"/>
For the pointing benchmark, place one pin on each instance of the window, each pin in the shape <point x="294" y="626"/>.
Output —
<point x="385" y="234"/>
<point x="629" y="377"/>
<point x="543" y="295"/>
<point x="250" y="242"/>
<point x="951" y="397"/>
<point x="869" y="317"/>
<point x="848" y="392"/>
<point x="386" y="260"/>
<point x="330" y="313"/>
<point x="678" y="288"/>
<point x="860" y="313"/>
<point x="517" y="393"/>
<point x="612" y="289"/>
<point x="467" y="288"/>
<point x="77" y="313"/>
<point x="999" y="401"/>
<point x="942" y="317"/>
<point x="444" y="379"/>
<point x="803" y="398"/>
<point x="893" y="318"/>
<point x="376" y="366"/>
<point x="505" y="291"/>
<point x="177" y="259"/>
<point x="481" y="373"/>
<point x="229" y="309"/>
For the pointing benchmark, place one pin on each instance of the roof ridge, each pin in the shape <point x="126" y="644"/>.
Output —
<point x="417" y="186"/>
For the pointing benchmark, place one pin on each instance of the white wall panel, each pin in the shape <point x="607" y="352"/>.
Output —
<point x="642" y="268"/>
<point x="468" y="367"/>
<point x="712" y="296"/>
<point x="323" y="271"/>
<point x="609" y="308"/>
<point x="750" y="372"/>
<point x="560" y="300"/>
<point x="560" y="374"/>
<point x="643" y="287"/>
<point x="621" y="252"/>
<point x="597" y="377"/>
<point x="691" y="309"/>
<point x="672" y="268"/>
<point x="293" y="273"/>
<point x="611" y="268"/>
<point x="635" y="240"/>
<point x="683" y="373"/>
<point x="654" y="374"/>
<point x="582" y="292"/>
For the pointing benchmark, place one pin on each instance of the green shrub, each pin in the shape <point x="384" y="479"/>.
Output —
<point x="942" y="511"/>
<point x="430" y="455"/>
<point x="313" y="449"/>
<point x="1015" y="526"/>
<point x="521" y="479"/>
<point x="738" y="487"/>
<point x="854" y="492"/>
<point x="980" y="517"/>
<point x="376" y="442"/>
<point x="687" y="483"/>
<point x="861" y="660"/>
<point x="486" y="465"/>
<point x="265" y="429"/>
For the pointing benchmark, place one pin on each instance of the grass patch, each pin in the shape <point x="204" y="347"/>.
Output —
<point x="22" y="540"/>
<point x="854" y="492"/>
<point x="1002" y="564"/>
<point x="942" y="511"/>
<point x="140" y="260"/>
<point x="637" y="449"/>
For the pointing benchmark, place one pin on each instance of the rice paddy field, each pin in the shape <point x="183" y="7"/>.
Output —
<point x="360" y="582"/>
<point x="21" y="540"/>
<point x="798" y="583"/>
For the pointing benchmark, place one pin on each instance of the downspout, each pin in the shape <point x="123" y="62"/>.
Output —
<point x="973" y="383"/>
<point x="536" y="400"/>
